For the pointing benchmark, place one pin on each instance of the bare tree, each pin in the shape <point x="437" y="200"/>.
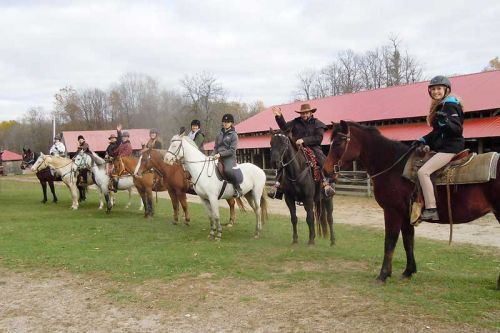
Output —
<point x="305" y="86"/>
<point x="203" y="91"/>
<point x="94" y="104"/>
<point x="349" y="72"/>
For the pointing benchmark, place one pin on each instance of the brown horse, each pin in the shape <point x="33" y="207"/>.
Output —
<point x="174" y="177"/>
<point x="145" y="185"/>
<point x="384" y="160"/>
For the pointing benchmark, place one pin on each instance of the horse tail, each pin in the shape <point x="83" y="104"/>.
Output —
<point x="320" y="218"/>
<point x="241" y="205"/>
<point x="263" y="206"/>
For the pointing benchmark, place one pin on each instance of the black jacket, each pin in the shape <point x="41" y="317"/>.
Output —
<point x="447" y="127"/>
<point x="311" y="131"/>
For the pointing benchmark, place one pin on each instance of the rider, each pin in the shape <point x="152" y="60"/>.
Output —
<point x="446" y="117"/>
<point x="308" y="131"/>
<point x="114" y="142"/>
<point x="82" y="147"/>
<point x="154" y="142"/>
<point x="225" y="147"/>
<point x="58" y="148"/>
<point x="196" y="135"/>
<point x="124" y="149"/>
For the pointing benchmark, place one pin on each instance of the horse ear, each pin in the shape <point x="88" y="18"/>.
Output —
<point x="344" y="127"/>
<point x="271" y="130"/>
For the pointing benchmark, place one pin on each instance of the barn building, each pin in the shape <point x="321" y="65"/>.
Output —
<point x="98" y="140"/>
<point x="398" y="112"/>
<point x="10" y="162"/>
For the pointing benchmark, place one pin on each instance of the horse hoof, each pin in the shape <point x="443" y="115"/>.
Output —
<point x="311" y="244"/>
<point x="54" y="201"/>
<point x="43" y="201"/>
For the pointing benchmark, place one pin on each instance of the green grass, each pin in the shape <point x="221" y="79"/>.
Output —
<point x="453" y="283"/>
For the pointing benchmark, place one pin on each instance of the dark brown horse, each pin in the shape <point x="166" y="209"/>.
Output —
<point x="298" y="184"/>
<point x="383" y="160"/>
<point x="44" y="176"/>
<point x="175" y="180"/>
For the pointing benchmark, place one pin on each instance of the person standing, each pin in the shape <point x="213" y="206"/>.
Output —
<point x="446" y="117"/>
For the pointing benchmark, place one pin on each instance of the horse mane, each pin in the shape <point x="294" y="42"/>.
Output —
<point x="374" y="132"/>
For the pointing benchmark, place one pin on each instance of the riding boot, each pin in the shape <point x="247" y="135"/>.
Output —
<point x="429" y="214"/>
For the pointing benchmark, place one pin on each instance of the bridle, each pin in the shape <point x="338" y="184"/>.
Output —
<point x="30" y="161"/>
<point x="287" y="145"/>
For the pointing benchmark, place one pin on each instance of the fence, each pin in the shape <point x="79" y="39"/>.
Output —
<point x="348" y="183"/>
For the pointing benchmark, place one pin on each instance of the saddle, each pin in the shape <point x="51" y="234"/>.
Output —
<point x="313" y="163"/>
<point x="464" y="168"/>
<point x="221" y="174"/>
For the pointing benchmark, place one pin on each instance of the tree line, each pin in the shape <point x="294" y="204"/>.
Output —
<point x="136" y="101"/>
<point x="384" y="66"/>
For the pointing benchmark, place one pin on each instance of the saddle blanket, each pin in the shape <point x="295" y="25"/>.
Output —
<point x="309" y="153"/>
<point x="479" y="169"/>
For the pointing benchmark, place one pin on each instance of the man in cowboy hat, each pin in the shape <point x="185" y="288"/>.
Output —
<point x="308" y="131"/>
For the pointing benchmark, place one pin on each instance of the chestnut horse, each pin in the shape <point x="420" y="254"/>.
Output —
<point x="175" y="178"/>
<point x="384" y="160"/>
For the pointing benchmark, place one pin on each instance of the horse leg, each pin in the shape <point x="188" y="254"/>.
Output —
<point x="257" y="210"/>
<point x="232" y="211"/>
<point x="175" y="204"/>
<point x="290" y="202"/>
<point x="328" y="211"/>
<point x="74" y="194"/>
<point x="150" y="202"/>
<point x="309" y="207"/>
<point x="211" y="235"/>
<point x="408" y="232"/>
<point x="129" y="198"/>
<point x="44" y="191"/>
<point x="183" y="199"/>
<point x="53" y="190"/>
<point x="392" y="228"/>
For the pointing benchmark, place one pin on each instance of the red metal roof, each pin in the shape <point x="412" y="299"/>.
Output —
<point x="11" y="156"/>
<point x="473" y="128"/>
<point x="479" y="91"/>
<point x="98" y="140"/>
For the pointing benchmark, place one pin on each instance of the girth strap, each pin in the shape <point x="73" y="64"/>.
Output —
<point x="224" y="184"/>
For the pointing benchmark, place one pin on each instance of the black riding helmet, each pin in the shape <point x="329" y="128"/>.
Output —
<point x="196" y="122"/>
<point x="439" y="80"/>
<point x="228" y="118"/>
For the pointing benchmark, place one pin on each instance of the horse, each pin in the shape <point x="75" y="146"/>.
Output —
<point x="145" y="184"/>
<point x="384" y="160"/>
<point x="298" y="184"/>
<point x="63" y="167"/>
<point x="100" y="178"/>
<point x="175" y="178"/>
<point x="210" y="189"/>
<point x="44" y="175"/>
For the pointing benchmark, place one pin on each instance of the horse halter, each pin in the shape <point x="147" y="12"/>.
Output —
<point x="287" y="144"/>
<point x="178" y="149"/>
<point x="347" y="139"/>
<point x="30" y="161"/>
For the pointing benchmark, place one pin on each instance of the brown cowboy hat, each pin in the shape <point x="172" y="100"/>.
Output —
<point x="306" y="108"/>
<point x="113" y="135"/>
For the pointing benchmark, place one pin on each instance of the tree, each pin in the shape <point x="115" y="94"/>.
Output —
<point x="305" y="86"/>
<point x="203" y="92"/>
<point x="493" y="64"/>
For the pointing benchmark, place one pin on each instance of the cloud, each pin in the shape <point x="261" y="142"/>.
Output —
<point x="255" y="48"/>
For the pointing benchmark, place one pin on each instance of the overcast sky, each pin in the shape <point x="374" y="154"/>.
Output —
<point x="255" y="48"/>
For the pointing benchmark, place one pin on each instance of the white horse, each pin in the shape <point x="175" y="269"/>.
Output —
<point x="101" y="178"/>
<point x="63" y="167"/>
<point x="208" y="186"/>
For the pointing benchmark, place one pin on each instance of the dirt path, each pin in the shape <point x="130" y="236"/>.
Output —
<point x="366" y="212"/>
<point x="63" y="302"/>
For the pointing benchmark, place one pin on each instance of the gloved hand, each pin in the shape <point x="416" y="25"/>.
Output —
<point x="441" y="115"/>
<point x="419" y="142"/>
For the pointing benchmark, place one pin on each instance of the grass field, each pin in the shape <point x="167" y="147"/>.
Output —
<point x="454" y="283"/>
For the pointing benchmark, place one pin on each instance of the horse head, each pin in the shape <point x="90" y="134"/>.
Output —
<point x="145" y="162"/>
<point x="29" y="158"/>
<point x="82" y="161"/>
<point x="280" y="143"/>
<point x="41" y="163"/>
<point x="175" y="151"/>
<point x="344" y="148"/>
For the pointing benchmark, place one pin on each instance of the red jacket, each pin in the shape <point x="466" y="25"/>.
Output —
<point x="124" y="149"/>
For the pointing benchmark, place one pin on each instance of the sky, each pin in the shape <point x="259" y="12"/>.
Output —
<point x="254" y="48"/>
